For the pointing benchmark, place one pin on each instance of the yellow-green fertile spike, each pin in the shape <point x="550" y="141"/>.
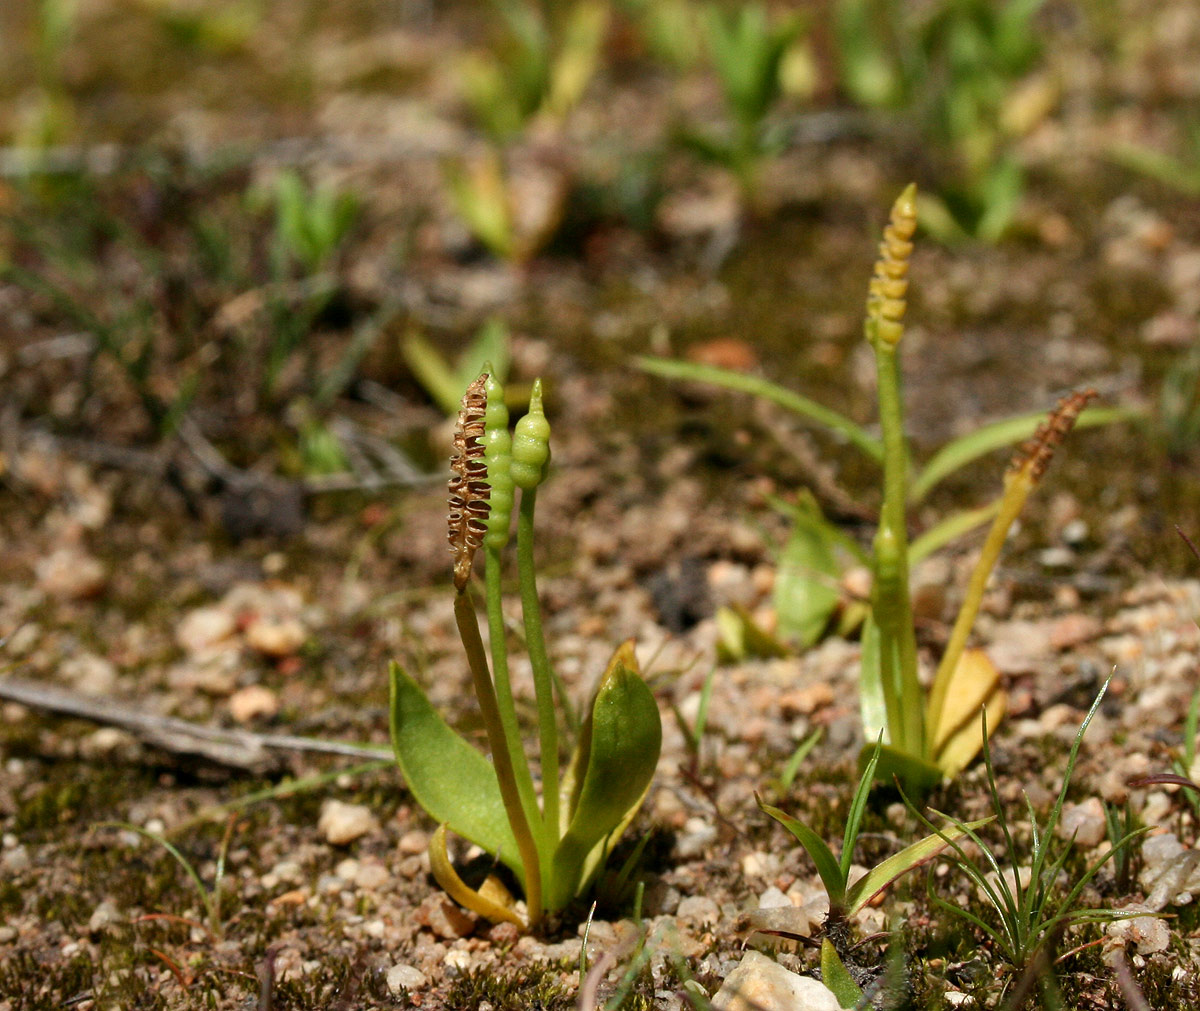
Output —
<point x="497" y="451"/>
<point x="889" y="285"/>
<point x="531" y="444"/>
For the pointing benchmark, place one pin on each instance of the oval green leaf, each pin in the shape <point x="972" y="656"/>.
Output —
<point x="453" y="782"/>
<point x="618" y="751"/>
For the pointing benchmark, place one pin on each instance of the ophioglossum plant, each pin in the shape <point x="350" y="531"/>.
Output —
<point x="553" y="845"/>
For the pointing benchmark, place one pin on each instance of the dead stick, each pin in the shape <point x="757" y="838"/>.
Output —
<point x="234" y="747"/>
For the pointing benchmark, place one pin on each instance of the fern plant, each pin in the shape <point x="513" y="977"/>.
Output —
<point x="556" y="848"/>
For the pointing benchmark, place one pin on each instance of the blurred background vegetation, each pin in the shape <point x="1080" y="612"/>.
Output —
<point x="257" y="219"/>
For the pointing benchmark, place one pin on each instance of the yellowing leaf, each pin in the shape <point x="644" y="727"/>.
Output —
<point x="967" y="741"/>
<point x="493" y="901"/>
<point x="974" y="681"/>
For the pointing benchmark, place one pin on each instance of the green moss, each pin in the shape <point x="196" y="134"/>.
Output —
<point x="537" y="988"/>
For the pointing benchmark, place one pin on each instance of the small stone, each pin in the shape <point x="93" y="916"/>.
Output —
<point x="773" y="898"/>
<point x="70" y="573"/>
<point x="205" y="630"/>
<point x="215" y="676"/>
<point x="697" y="834"/>
<point x="275" y="636"/>
<point x="504" y="934"/>
<point x="806" y="701"/>
<point x="109" y="744"/>
<point x="1074" y="629"/>
<point x="371" y="877"/>
<point x="759" y="984"/>
<point x="252" y="703"/>
<point x="1084" y="821"/>
<point x="456" y="962"/>
<point x="287" y="872"/>
<point x="444" y="918"/>
<point x="103" y="916"/>
<point x="1148" y="933"/>
<point x="404" y="977"/>
<point x="16" y="859"/>
<point x="342" y="823"/>
<point x="413" y="842"/>
<point x="698" y="910"/>
<point x="90" y="674"/>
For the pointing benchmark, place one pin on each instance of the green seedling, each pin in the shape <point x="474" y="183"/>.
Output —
<point x="978" y="52"/>
<point x="210" y="898"/>
<point x="310" y="227"/>
<point x="47" y="116"/>
<point x="668" y="29"/>
<point x="1030" y="912"/>
<point x="312" y="224"/>
<point x="1181" y="173"/>
<point x="537" y="73"/>
<point x="1119" y="823"/>
<point x="924" y="739"/>
<point x="211" y="31"/>
<point x="1179" y="405"/>
<point x="874" y="66"/>
<point x="556" y="848"/>
<point x="485" y="193"/>
<point x="787" y="775"/>
<point x="693" y="733"/>
<point x="963" y="71"/>
<point x="445" y="382"/>
<point x="846" y="899"/>
<point x="747" y="51"/>
<point x="540" y="67"/>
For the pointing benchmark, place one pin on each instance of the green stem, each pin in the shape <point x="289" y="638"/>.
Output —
<point x="543" y="680"/>
<point x="892" y="604"/>
<point x="506" y="707"/>
<point x="510" y="793"/>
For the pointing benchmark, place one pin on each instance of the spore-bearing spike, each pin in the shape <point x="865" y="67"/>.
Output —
<point x="469" y="488"/>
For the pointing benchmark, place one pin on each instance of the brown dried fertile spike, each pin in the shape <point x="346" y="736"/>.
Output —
<point x="469" y="489"/>
<point x="1036" y="452"/>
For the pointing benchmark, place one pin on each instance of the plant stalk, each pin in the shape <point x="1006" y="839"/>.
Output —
<point x="506" y="707"/>
<point x="543" y="680"/>
<point x="485" y="692"/>
<point x="892" y="604"/>
<point x="1016" y="491"/>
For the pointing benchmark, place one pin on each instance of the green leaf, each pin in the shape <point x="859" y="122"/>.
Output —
<point x="785" y="398"/>
<point x="915" y="774"/>
<point x="453" y="782"/>
<point x="806" y="591"/>
<point x="1000" y="194"/>
<point x="491" y="344"/>
<point x="618" y="753"/>
<point x="961" y="451"/>
<point x="882" y="875"/>
<point x="818" y="849"/>
<point x="430" y="369"/>
<point x="858" y="807"/>
<point x="740" y="636"/>
<point x="950" y="529"/>
<point x="835" y="975"/>
<point x="871" y="702"/>
<point x="479" y="192"/>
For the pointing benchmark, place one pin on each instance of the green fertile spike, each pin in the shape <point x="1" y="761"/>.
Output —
<point x="497" y="452"/>
<point x="531" y="445"/>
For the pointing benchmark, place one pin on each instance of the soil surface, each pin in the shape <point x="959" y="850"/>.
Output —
<point x="173" y="545"/>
